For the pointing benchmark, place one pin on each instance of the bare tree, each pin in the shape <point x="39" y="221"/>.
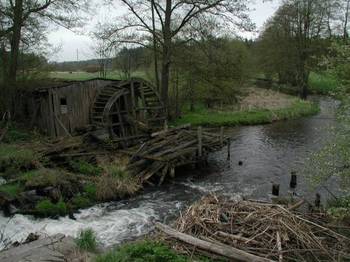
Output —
<point x="161" y="21"/>
<point x="20" y="16"/>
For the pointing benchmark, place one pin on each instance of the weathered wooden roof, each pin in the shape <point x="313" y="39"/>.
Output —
<point x="58" y="84"/>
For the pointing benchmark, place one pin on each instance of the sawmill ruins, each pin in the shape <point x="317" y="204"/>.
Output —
<point x="127" y="115"/>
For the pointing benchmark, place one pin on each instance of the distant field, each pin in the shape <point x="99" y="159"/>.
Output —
<point x="81" y="76"/>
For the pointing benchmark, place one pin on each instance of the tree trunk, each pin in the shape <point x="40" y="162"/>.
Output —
<point x="155" y="49"/>
<point x="346" y="35"/>
<point x="15" y="40"/>
<point x="166" y="56"/>
<point x="177" y="102"/>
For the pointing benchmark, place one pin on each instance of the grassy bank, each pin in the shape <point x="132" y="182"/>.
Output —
<point x="40" y="186"/>
<point x="212" y="118"/>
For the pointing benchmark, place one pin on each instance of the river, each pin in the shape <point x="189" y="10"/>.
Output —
<point x="269" y="154"/>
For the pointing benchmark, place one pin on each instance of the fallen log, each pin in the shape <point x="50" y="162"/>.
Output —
<point x="220" y="249"/>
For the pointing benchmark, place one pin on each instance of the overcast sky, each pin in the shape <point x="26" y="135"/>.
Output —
<point x="73" y="44"/>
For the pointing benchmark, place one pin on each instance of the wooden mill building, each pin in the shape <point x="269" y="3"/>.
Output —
<point x="117" y="110"/>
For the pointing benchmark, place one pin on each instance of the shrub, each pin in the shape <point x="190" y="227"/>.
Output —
<point x="116" y="183"/>
<point x="85" y="168"/>
<point x="142" y="251"/>
<point x="48" y="209"/>
<point x="87" y="240"/>
<point x="324" y="84"/>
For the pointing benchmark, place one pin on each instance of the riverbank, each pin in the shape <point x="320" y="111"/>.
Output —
<point x="258" y="107"/>
<point x="47" y="178"/>
<point x="212" y="229"/>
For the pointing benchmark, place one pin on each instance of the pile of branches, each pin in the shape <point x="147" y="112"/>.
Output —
<point x="258" y="231"/>
<point x="169" y="149"/>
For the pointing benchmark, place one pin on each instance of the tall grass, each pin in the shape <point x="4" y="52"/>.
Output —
<point x="116" y="183"/>
<point x="86" y="240"/>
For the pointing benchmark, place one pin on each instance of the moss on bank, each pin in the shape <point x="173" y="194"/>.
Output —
<point x="209" y="118"/>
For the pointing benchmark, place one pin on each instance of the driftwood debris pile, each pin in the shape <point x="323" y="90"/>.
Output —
<point x="172" y="148"/>
<point x="255" y="231"/>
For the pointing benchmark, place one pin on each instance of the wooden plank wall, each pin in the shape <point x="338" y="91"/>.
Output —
<point x="79" y="96"/>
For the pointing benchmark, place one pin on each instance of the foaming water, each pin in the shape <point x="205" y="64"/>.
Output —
<point x="269" y="154"/>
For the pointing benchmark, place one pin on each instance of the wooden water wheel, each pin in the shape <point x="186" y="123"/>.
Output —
<point x="127" y="110"/>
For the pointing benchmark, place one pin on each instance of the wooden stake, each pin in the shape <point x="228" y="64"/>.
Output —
<point x="200" y="142"/>
<point x="229" y="149"/>
<point x="318" y="200"/>
<point x="293" y="180"/>
<point x="276" y="189"/>
<point x="222" y="136"/>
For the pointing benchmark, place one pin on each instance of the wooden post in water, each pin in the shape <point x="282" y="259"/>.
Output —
<point x="222" y="136"/>
<point x="229" y="149"/>
<point x="293" y="180"/>
<point x="318" y="200"/>
<point x="275" y="189"/>
<point x="200" y="142"/>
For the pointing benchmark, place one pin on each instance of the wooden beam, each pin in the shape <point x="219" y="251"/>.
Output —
<point x="216" y="248"/>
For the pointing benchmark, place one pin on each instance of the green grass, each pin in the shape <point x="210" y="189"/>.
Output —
<point x="324" y="84"/>
<point x="42" y="178"/>
<point x="46" y="208"/>
<point x="15" y="135"/>
<point x="90" y="191"/>
<point x="221" y="118"/>
<point x="149" y="251"/>
<point x="85" y="168"/>
<point x="79" y="202"/>
<point x="11" y="190"/>
<point x="81" y="75"/>
<point x="16" y="158"/>
<point x="87" y="240"/>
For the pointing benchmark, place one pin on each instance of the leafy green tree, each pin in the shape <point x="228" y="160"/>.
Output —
<point x="295" y="38"/>
<point x="160" y="23"/>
